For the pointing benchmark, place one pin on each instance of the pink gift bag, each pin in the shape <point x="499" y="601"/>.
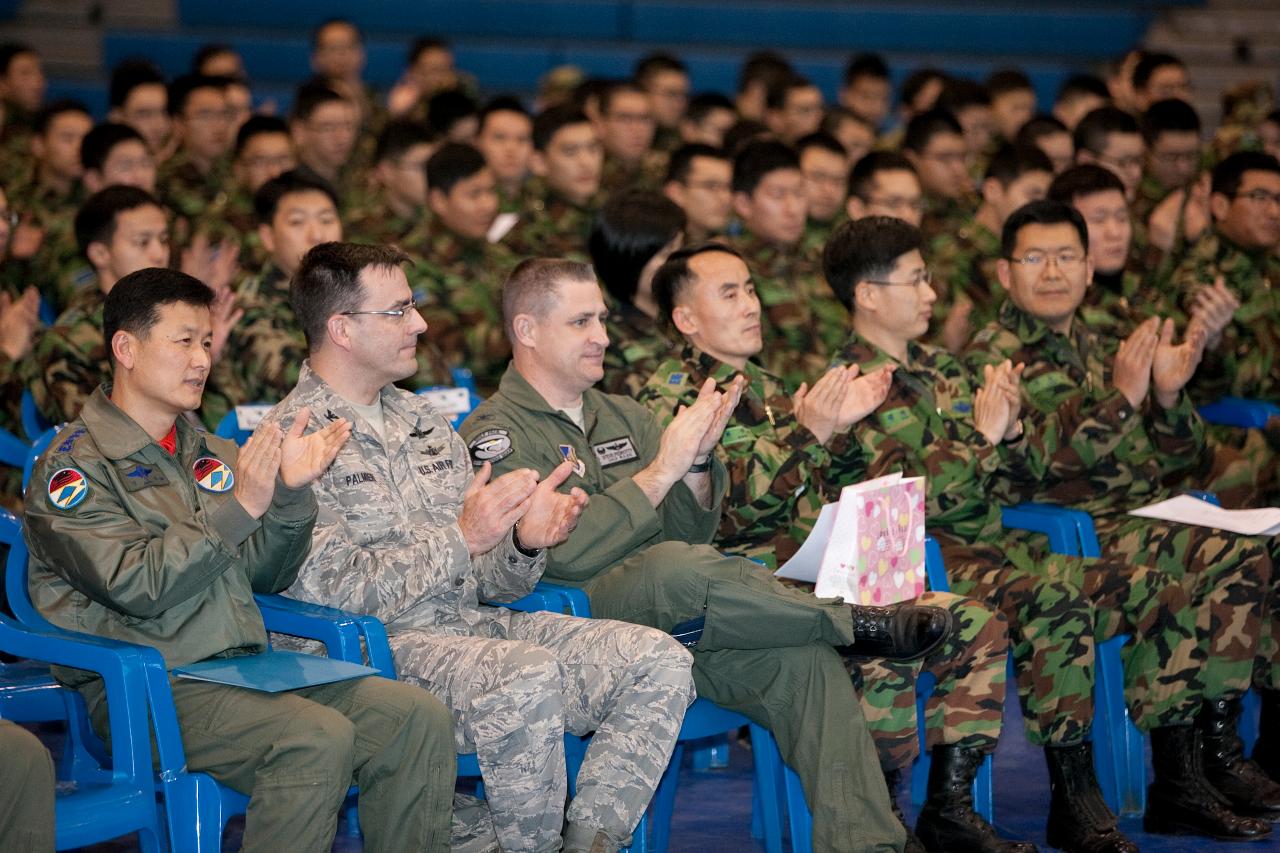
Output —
<point x="875" y="554"/>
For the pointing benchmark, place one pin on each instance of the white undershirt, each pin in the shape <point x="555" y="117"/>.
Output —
<point x="373" y="416"/>
<point x="575" y="415"/>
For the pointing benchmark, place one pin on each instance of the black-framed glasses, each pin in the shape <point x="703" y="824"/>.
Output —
<point x="925" y="277"/>
<point x="399" y="313"/>
<point x="1260" y="197"/>
<point x="1039" y="260"/>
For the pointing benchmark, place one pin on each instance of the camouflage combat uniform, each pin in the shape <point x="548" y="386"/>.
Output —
<point x="963" y="263"/>
<point x="551" y="226"/>
<point x="187" y="191"/>
<point x="636" y="344"/>
<point x="802" y="320"/>
<point x="1106" y="458"/>
<point x="766" y="650"/>
<point x="459" y="283"/>
<point x="946" y="215"/>
<point x="779" y="478"/>
<point x="648" y="174"/>
<point x="1058" y="607"/>
<point x="387" y="542"/>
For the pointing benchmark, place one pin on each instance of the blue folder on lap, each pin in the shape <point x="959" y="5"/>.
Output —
<point x="273" y="671"/>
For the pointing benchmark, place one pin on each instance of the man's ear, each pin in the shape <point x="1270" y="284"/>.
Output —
<point x="684" y="320"/>
<point x="742" y="205"/>
<point x="338" y="332"/>
<point x="124" y="349"/>
<point x="99" y="255"/>
<point x="1004" y="272"/>
<point x="865" y="297"/>
<point x="268" y="238"/>
<point x="855" y="208"/>
<point x="1219" y="206"/>
<point x="525" y="329"/>
<point x="435" y="201"/>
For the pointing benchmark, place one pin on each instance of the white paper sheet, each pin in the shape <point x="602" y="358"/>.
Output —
<point x="1186" y="509"/>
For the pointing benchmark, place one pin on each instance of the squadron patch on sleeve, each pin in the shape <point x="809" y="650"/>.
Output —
<point x="491" y="445"/>
<point x="212" y="475"/>
<point x="67" y="488"/>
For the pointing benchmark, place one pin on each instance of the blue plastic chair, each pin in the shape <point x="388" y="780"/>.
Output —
<point x="37" y="447"/>
<point x="983" y="798"/>
<point x="1238" y="412"/>
<point x="229" y="427"/>
<point x="196" y="807"/>
<point x="13" y="450"/>
<point x="1119" y="748"/>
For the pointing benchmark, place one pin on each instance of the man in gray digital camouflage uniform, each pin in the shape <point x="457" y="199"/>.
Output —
<point x="407" y="533"/>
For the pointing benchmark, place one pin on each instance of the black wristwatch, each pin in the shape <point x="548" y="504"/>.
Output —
<point x="515" y="540"/>
<point x="701" y="467"/>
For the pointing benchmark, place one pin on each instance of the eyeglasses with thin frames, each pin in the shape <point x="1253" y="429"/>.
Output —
<point x="925" y="277"/>
<point x="1039" y="260"/>
<point x="401" y="313"/>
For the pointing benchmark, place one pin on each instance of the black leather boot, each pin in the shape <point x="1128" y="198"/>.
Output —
<point x="948" y="823"/>
<point x="1248" y="790"/>
<point x="901" y="632"/>
<point x="1181" y="801"/>
<point x="1266" y="752"/>
<point x="1079" y="820"/>
<point x="893" y="781"/>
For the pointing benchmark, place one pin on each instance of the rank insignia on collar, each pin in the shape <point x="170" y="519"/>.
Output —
<point x="67" y="488"/>
<point x="421" y="433"/>
<point x="212" y="475"/>
<point x="328" y="413"/>
<point x="579" y="467"/>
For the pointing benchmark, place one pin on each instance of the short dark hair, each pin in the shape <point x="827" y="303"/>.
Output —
<point x="655" y="63"/>
<point x="268" y="197"/>
<point x="1083" y="180"/>
<point x="681" y="162"/>
<point x="757" y="159"/>
<point x="328" y="282"/>
<point x="11" y="50"/>
<point x="334" y="22"/>
<point x="1011" y="162"/>
<point x="866" y="249"/>
<point x="181" y="89"/>
<point x="451" y="163"/>
<point x="133" y="304"/>
<point x="422" y="44"/>
<point x="99" y="142"/>
<point x="820" y="139"/>
<point x="917" y="80"/>
<point x="865" y="65"/>
<point x="448" y="107"/>
<point x="1038" y="127"/>
<point x="1228" y="174"/>
<point x="872" y="163"/>
<point x="958" y="95"/>
<point x="1078" y="85"/>
<point x="398" y="136"/>
<point x="311" y="97"/>
<point x="550" y="121"/>
<point x="763" y="66"/>
<point x="742" y="133"/>
<point x="1171" y="115"/>
<point x="1007" y="80"/>
<point x="836" y="114"/>
<point x="616" y="88"/>
<point x="129" y="75"/>
<point x="1042" y="212"/>
<point x="207" y="52"/>
<point x="631" y="227"/>
<point x="52" y="110"/>
<point x="1151" y="62"/>
<point x="502" y="104"/>
<point x="923" y="127"/>
<point x="255" y="126"/>
<point x="674" y="276"/>
<point x="702" y="105"/>
<point x="1092" y="131"/>
<point x="775" y="97"/>
<point x="95" y="221"/>
<point x="531" y="287"/>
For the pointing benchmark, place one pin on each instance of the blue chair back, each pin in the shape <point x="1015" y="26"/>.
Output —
<point x="1238" y="412"/>
<point x="35" y="451"/>
<point x="33" y="423"/>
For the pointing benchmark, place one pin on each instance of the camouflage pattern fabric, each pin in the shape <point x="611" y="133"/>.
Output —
<point x="387" y="542"/>
<point x="636" y="344"/>
<point x="551" y="226"/>
<point x="648" y="174"/>
<point x="963" y="263"/>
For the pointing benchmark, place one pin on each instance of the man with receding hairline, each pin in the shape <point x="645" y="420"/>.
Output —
<point x="759" y="647"/>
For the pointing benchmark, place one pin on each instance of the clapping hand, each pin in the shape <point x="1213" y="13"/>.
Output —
<point x="1172" y="366"/>
<point x="303" y="458"/>
<point x="551" y="516"/>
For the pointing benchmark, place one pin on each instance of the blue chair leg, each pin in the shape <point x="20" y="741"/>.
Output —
<point x="767" y="795"/>
<point x="713" y="755"/>
<point x="1250" y="720"/>
<point x="799" y="820"/>
<point x="1118" y="749"/>
<point x="664" y="801"/>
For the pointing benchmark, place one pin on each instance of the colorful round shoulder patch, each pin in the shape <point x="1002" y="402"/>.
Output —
<point x="212" y="475"/>
<point x="67" y="488"/>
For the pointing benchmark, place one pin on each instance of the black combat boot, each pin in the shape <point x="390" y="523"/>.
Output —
<point x="1079" y="820"/>
<point x="893" y="781"/>
<point x="1249" y="791"/>
<point x="948" y="823"/>
<point x="901" y="632"/>
<point x="1181" y="801"/>
<point x="1266" y="752"/>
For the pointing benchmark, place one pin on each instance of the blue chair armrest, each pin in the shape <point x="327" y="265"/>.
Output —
<point x="554" y="598"/>
<point x="1238" y="412"/>
<point x="337" y="630"/>
<point x="130" y="674"/>
<point x="1060" y="524"/>
<point x="13" y="450"/>
<point x="1207" y="497"/>
<point x="934" y="568"/>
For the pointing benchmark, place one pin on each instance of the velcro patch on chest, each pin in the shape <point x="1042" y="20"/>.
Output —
<point x="615" y="451"/>
<point x="213" y="475"/>
<point x="491" y="445"/>
<point x="141" y="476"/>
<point x="735" y="434"/>
<point x="896" y="418"/>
